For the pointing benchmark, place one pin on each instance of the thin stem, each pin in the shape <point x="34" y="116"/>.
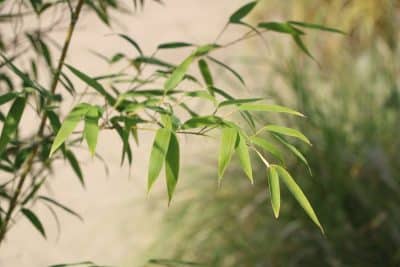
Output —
<point x="29" y="164"/>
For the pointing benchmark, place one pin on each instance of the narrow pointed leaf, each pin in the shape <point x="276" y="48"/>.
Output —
<point x="34" y="220"/>
<point x="287" y="131"/>
<point x="235" y="73"/>
<point x="197" y="122"/>
<point x="242" y="12"/>
<point x="174" y="45"/>
<point x="61" y="206"/>
<point x="316" y="27"/>
<point x="298" y="195"/>
<point x="68" y="126"/>
<point x="274" y="189"/>
<point x="75" y="166"/>
<point x="297" y="39"/>
<point x="238" y="102"/>
<point x="178" y="74"/>
<point x="244" y="157"/>
<point x="7" y="97"/>
<point x="172" y="165"/>
<point x="11" y="122"/>
<point x="91" y="130"/>
<point x="132" y="42"/>
<point x="205" y="72"/>
<point x="227" y="148"/>
<point x="92" y="83"/>
<point x="281" y="27"/>
<point x="295" y="151"/>
<point x="158" y="155"/>
<point x="267" y="146"/>
<point x="269" y="108"/>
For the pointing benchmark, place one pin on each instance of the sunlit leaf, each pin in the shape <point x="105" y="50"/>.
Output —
<point x="238" y="15"/>
<point x="197" y="122"/>
<point x="178" y="74"/>
<point x="205" y="72"/>
<point x="227" y="148"/>
<point x="91" y="130"/>
<point x="295" y="151"/>
<point x="298" y="194"/>
<point x="274" y="190"/>
<point x="11" y="122"/>
<point x="267" y="146"/>
<point x="158" y="155"/>
<point x="237" y="102"/>
<point x="242" y="151"/>
<point x="34" y="220"/>
<point x="68" y="126"/>
<point x="269" y="108"/>
<point x="286" y="131"/>
<point x="172" y="165"/>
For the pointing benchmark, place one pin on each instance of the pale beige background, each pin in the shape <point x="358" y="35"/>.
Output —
<point x="120" y="222"/>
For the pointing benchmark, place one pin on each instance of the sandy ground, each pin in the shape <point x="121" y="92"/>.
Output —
<point x="120" y="221"/>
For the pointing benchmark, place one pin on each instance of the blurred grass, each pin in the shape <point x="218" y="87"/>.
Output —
<point x="352" y="104"/>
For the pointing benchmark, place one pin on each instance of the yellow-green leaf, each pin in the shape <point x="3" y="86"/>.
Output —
<point x="267" y="146"/>
<point x="274" y="189"/>
<point x="269" y="108"/>
<point x="158" y="155"/>
<point x="178" y="74"/>
<point x="244" y="157"/>
<point x="287" y="131"/>
<point x="172" y="165"/>
<point x="91" y="130"/>
<point x="298" y="194"/>
<point x="68" y="126"/>
<point x="227" y="148"/>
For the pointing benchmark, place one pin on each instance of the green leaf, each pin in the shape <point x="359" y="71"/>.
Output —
<point x="281" y="27"/>
<point x="204" y="50"/>
<point x="269" y="108"/>
<point x="267" y="146"/>
<point x="91" y="130"/>
<point x="173" y="45"/>
<point x="286" y="131"/>
<point x="227" y="148"/>
<point x="172" y="165"/>
<point x="295" y="151"/>
<point x="178" y="74"/>
<point x="235" y="73"/>
<point x="7" y="97"/>
<point x="197" y="122"/>
<point x="298" y="194"/>
<point x="158" y="155"/>
<point x="34" y="220"/>
<point x="274" y="190"/>
<point x="238" y="15"/>
<point x="244" y="157"/>
<point x="75" y="166"/>
<point x="237" y="102"/>
<point x="132" y="42"/>
<point x="61" y="206"/>
<point x="92" y="83"/>
<point x="79" y="264"/>
<point x="68" y="126"/>
<point x="152" y="61"/>
<point x="301" y="45"/>
<point x="11" y="122"/>
<point x="316" y="27"/>
<point x="205" y="72"/>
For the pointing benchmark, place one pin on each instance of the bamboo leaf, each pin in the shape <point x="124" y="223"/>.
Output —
<point x="34" y="220"/>
<point x="237" y="102"/>
<point x="287" y="131"/>
<point x="92" y="83"/>
<point x="158" y="155"/>
<point x="205" y="72"/>
<point x="227" y="148"/>
<point x="223" y="65"/>
<point x="11" y="122"/>
<point x="267" y="146"/>
<point x="281" y="27"/>
<point x="269" y="108"/>
<point x="132" y="42"/>
<point x="202" y="121"/>
<point x="244" y="157"/>
<point x="274" y="190"/>
<point x="298" y="194"/>
<point x="316" y="27"/>
<point x="7" y="97"/>
<point x="172" y="165"/>
<point x="301" y="45"/>
<point x="295" y="151"/>
<point x="91" y="130"/>
<point x="75" y="166"/>
<point x="68" y="126"/>
<point x="61" y="206"/>
<point x="242" y="12"/>
<point x="178" y="74"/>
<point x="173" y="45"/>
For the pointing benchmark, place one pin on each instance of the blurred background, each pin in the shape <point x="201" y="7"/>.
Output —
<point x="351" y="99"/>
